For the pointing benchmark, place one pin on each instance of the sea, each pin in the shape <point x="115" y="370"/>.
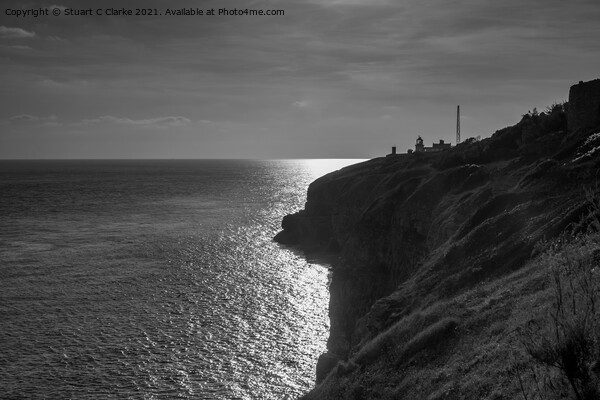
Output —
<point x="157" y="279"/>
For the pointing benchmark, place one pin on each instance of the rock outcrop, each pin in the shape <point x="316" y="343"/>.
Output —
<point x="413" y="231"/>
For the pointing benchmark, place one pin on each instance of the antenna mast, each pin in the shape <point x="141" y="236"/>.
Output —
<point x="457" y="125"/>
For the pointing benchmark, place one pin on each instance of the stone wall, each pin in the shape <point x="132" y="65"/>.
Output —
<point x="584" y="105"/>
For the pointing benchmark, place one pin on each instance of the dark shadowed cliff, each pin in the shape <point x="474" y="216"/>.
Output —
<point x="439" y="255"/>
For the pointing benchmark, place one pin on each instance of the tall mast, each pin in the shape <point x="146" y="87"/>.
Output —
<point x="457" y="125"/>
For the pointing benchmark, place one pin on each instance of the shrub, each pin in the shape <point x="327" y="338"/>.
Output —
<point x="565" y="346"/>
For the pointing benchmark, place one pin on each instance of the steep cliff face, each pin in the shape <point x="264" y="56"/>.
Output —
<point x="415" y="231"/>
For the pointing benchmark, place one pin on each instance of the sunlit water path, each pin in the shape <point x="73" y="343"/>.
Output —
<point x="156" y="279"/>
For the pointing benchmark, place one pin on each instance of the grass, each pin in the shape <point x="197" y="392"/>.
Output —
<point x="408" y="336"/>
<point x="476" y="345"/>
<point x="431" y="337"/>
<point x="565" y="345"/>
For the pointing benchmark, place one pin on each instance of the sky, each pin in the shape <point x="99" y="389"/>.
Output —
<point x="328" y="79"/>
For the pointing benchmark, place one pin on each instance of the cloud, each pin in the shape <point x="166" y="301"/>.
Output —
<point x="6" y="32"/>
<point x="18" y="47"/>
<point x="300" y="104"/>
<point x="65" y="83"/>
<point x="28" y="119"/>
<point x="23" y="118"/>
<point x="150" y="122"/>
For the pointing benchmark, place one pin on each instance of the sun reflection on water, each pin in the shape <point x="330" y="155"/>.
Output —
<point x="321" y="166"/>
<point x="173" y="289"/>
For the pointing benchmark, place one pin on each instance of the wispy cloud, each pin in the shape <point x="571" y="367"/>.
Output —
<point x="8" y="32"/>
<point x="149" y="122"/>
<point x="23" y="117"/>
<point x="33" y="120"/>
<point x="16" y="47"/>
<point x="300" y="104"/>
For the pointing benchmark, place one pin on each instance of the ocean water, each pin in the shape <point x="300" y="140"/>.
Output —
<point x="157" y="279"/>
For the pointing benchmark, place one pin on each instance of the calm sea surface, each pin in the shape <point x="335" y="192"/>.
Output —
<point x="157" y="279"/>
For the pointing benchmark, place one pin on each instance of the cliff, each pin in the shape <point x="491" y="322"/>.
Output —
<point x="438" y="255"/>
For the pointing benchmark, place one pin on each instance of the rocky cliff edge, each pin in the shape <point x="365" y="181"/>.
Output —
<point x="440" y="247"/>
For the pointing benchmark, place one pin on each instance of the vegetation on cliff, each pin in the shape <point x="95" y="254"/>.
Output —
<point x="448" y="264"/>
